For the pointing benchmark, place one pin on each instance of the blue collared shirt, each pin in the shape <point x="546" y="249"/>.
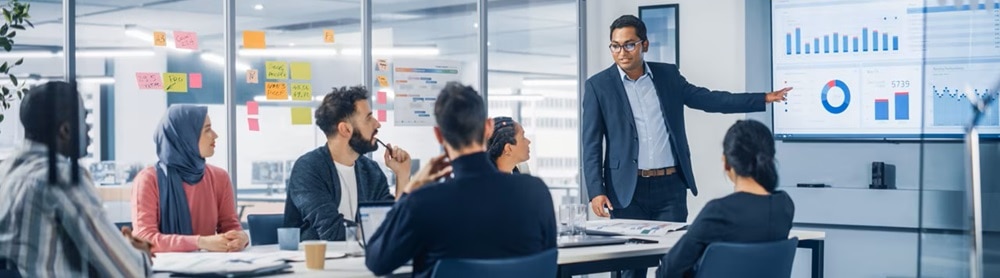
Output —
<point x="654" y="143"/>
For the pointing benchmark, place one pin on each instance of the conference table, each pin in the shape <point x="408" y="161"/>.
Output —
<point x="572" y="261"/>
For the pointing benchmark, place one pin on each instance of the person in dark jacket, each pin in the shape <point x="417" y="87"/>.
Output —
<point x="480" y="213"/>
<point x="755" y="212"/>
<point x="326" y="184"/>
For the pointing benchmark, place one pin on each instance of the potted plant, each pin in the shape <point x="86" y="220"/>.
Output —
<point x="15" y="15"/>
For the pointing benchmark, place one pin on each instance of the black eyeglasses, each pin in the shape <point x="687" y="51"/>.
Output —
<point x="629" y="46"/>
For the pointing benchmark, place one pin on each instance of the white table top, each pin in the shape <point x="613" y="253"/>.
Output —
<point x="355" y="266"/>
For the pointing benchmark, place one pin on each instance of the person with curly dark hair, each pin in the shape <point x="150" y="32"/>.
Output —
<point x="508" y="147"/>
<point x="326" y="184"/>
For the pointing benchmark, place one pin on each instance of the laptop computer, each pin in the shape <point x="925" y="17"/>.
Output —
<point x="370" y="217"/>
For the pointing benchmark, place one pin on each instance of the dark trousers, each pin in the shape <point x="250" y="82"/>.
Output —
<point x="662" y="198"/>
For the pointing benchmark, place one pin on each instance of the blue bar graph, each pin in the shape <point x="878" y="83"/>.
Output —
<point x="788" y="44"/>
<point x="902" y="105"/>
<point x="885" y="42"/>
<point x="798" y="41"/>
<point x="881" y="109"/>
<point x="864" y="39"/>
<point x="836" y="38"/>
<point x="826" y="44"/>
<point x="875" y="40"/>
<point x="861" y="42"/>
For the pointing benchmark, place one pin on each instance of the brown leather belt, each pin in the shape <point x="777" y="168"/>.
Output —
<point x="658" y="172"/>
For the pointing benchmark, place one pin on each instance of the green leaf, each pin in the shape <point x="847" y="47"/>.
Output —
<point x="6" y="46"/>
<point x="29" y="23"/>
<point x="20" y="93"/>
<point x="19" y="62"/>
<point x="17" y="26"/>
<point x="6" y="15"/>
<point x="13" y="79"/>
<point x="3" y="30"/>
<point x="1" y="117"/>
<point x="12" y="34"/>
<point x="6" y="92"/>
<point x="3" y="68"/>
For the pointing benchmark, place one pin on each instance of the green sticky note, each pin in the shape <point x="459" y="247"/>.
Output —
<point x="301" y="71"/>
<point x="276" y="70"/>
<point x="175" y="82"/>
<point x="302" y="91"/>
<point x="302" y="116"/>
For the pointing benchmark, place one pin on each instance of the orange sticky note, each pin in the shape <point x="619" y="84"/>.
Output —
<point x="383" y="81"/>
<point x="160" y="38"/>
<point x="194" y="80"/>
<point x="186" y="40"/>
<point x="328" y="36"/>
<point x="276" y="90"/>
<point x="254" y="39"/>
<point x="254" y="124"/>
<point x="252" y="76"/>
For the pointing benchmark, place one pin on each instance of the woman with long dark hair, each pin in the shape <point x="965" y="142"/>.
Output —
<point x="507" y="146"/>
<point x="755" y="212"/>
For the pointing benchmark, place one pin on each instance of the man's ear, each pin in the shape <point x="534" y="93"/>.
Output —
<point x="725" y="164"/>
<point x="345" y="129"/>
<point x="645" y="46"/>
<point x="64" y="132"/>
<point x="487" y="130"/>
<point x="438" y="135"/>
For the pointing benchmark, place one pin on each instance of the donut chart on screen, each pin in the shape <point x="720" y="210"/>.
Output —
<point x="847" y="96"/>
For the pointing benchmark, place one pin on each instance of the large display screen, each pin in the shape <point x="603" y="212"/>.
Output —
<point x="884" y="69"/>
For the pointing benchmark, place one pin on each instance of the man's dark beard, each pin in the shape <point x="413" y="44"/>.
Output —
<point x="361" y="145"/>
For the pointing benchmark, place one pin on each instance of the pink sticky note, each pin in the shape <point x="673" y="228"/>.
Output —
<point x="381" y="116"/>
<point x="380" y="97"/>
<point x="149" y="80"/>
<point x="186" y="40"/>
<point x="254" y="125"/>
<point x="194" y="79"/>
<point x="251" y="107"/>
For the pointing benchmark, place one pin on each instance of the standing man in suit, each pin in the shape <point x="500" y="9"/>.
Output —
<point x="636" y="158"/>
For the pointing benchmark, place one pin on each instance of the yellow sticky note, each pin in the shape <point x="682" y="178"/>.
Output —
<point x="302" y="116"/>
<point x="175" y="82"/>
<point x="328" y="36"/>
<point x="302" y="91"/>
<point x="383" y="81"/>
<point x="254" y="39"/>
<point x="276" y="90"/>
<point x="301" y="71"/>
<point x="276" y="70"/>
<point x="160" y="38"/>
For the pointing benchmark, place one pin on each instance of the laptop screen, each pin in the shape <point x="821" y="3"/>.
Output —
<point x="371" y="216"/>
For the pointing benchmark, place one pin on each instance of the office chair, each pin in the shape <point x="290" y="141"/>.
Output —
<point x="264" y="228"/>
<point x="8" y="269"/>
<point x="538" y="265"/>
<point x="768" y="259"/>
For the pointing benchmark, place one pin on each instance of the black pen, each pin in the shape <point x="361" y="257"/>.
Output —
<point x="379" y="141"/>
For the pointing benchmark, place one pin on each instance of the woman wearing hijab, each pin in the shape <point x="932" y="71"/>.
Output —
<point x="507" y="146"/>
<point x="182" y="204"/>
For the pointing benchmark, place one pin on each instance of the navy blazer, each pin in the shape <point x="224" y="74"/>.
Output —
<point x="479" y="214"/>
<point x="313" y="190"/>
<point x="612" y="169"/>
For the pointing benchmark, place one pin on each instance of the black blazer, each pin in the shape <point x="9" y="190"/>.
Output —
<point x="607" y="116"/>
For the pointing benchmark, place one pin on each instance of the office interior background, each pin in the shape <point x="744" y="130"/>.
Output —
<point x="528" y="58"/>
